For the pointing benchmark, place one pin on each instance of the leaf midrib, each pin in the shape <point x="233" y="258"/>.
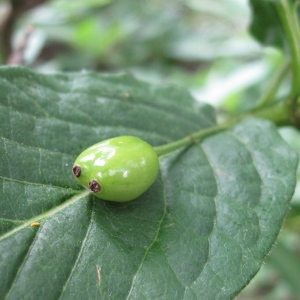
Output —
<point x="47" y="214"/>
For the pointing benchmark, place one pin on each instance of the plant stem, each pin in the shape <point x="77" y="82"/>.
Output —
<point x="279" y="114"/>
<point x="270" y="93"/>
<point x="192" y="138"/>
<point x="290" y="24"/>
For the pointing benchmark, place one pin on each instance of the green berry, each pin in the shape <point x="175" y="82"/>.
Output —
<point x="118" y="169"/>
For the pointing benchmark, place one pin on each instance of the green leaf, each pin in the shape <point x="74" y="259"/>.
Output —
<point x="282" y="21"/>
<point x="287" y="263"/>
<point x="266" y="26"/>
<point x="200" y="232"/>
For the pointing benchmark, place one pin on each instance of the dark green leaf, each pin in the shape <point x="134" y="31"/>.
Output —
<point x="200" y="232"/>
<point x="266" y="26"/>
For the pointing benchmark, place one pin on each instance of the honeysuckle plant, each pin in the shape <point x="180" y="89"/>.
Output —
<point x="203" y="213"/>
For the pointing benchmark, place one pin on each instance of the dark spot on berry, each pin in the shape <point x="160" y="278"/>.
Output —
<point x="94" y="186"/>
<point x="76" y="171"/>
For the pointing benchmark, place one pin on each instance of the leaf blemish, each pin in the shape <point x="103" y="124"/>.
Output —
<point x="35" y="224"/>
<point x="126" y="95"/>
<point x="223" y="173"/>
<point x="193" y="139"/>
<point x="98" y="270"/>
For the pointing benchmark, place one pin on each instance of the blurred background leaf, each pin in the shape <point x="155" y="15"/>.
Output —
<point x="266" y="26"/>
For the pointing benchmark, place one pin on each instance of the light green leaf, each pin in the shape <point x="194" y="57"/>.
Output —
<point x="200" y="232"/>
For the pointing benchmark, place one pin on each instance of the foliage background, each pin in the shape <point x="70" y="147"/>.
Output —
<point x="204" y="46"/>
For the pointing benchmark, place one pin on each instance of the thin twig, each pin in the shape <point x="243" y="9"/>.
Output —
<point x="98" y="270"/>
<point x="17" y="56"/>
<point x="17" y="8"/>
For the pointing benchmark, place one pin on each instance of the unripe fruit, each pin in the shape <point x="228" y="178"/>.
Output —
<point x="118" y="169"/>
